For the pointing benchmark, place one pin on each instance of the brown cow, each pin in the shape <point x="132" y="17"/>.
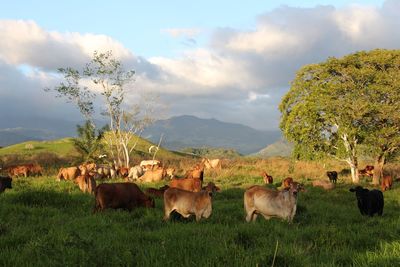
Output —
<point x="387" y="182"/>
<point x="367" y="171"/>
<point x="5" y="182"/>
<point x="189" y="184"/>
<point x="69" y="173"/>
<point x="210" y="187"/>
<point x="123" y="172"/>
<point x="267" y="178"/>
<point x="18" y="171"/>
<point x="188" y="203"/>
<point x="154" y="192"/>
<point x="86" y="183"/>
<point x="287" y="182"/>
<point x="121" y="196"/>
<point x="34" y="169"/>
<point x="196" y="172"/>
<point x="86" y="168"/>
<point x="271" y="203"/>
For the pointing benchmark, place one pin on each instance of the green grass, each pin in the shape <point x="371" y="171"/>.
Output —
<point x="49" y="223"/>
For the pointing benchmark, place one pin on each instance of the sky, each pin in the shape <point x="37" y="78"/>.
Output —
<point x="228" y="60"/>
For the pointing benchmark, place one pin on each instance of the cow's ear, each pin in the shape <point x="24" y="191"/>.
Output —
<point x="210" y="193"/>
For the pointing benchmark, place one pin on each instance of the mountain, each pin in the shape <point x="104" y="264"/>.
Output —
<point x="279" y="148"/>
<point x="189" y="131"/>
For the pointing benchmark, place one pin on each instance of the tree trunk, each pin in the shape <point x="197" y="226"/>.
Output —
<point x="378" y="169"/>
<point x="354" y="172"/>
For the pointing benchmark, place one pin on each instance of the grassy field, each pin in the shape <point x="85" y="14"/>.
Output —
<point x="49" y="223"/>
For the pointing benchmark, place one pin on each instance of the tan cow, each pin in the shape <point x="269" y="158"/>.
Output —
<point x="86" y="168"/>
<point x="69" y="173"/>
<point x="271" y="203"/>
<point x="188" y="203"/>
<point x="153" y="175"/>
<point x="150" y="164"/>
<point x="212" y="163"/>
<point x="86" y="183"/>
<point x="135" y="172"/>
<point x="189" y="184"/>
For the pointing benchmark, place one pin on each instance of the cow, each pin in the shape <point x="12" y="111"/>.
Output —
<point x="210" y="187"/>
<point x="150" y="164"/>
<point x="267" y="178"/>
<point x="170" y="172"/>
<point x="135" y="172"/>
<point x="34" y="169"/>
<point x="86" y="168"/>
<point x="86" y="183"/>
<point x="212" y="163"/>
<point x="188" y="203"/>
<point x="154" y="192"/>
<point x="5" y="182"/>
<point x="18" y="171"/>
<point x="106" y="172"/>
<point x="153" y="175"/>
<point x="367" y="171"/>
<point x="287" y="182"/>
<point x="324" y="184"/>
<point x="386" y="183"/>
<point x="123" y="172"/>
<point x="271" y="203"/>
<point x="196" y="172"/>
<point x="369" y="202"/>
<point x="121" y="196"/>
<point x="189" y="184"/>
<point x="332" y="175"/>
<point x="69" y="173"/>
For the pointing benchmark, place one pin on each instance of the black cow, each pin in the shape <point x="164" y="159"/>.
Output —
<point x="332" y="176"/>
<point x="369" y="202"/>
<point x="5" y="182"/>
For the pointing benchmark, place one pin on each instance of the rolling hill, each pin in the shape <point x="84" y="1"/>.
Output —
<point x="280" y="148"/>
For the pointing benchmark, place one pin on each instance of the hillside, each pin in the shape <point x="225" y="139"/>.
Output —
<point x="280" y="148"/>
<point x="189" y="131"/>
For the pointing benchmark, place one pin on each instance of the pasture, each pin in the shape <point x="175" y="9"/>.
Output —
<point x="49" y="223"/>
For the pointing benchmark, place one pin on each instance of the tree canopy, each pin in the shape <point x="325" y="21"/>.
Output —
<point x="335" y="106"/>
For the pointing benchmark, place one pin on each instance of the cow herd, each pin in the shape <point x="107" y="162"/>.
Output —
<point x="187" y="196"/>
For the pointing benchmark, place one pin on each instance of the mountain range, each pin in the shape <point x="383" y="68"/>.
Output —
<point x="178" y="133"/>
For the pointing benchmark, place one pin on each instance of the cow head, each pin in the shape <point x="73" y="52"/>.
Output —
<point x="5" y="182"/>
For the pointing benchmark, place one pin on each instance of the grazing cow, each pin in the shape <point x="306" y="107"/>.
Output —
<point x="188" y="203"/>
<point x="189" y="184"/>
<point x="121" y="196"/>
<point x="34" y="169"/>
<point x="324" y="184"/>
<point x="86" y="183"/>
<point x="212" y="163"/>
<point x="154" y="192"/>
<point x="106" y="172"/>
<point x="135" y="172"/>
<point x="267" y="178"/>
<point x="153" y="175"/>
<point x="369" y="202"/>
<point x="150" y="164"/>
<point x="367" y="171"/>
<point x="18" y="171"/>
<point x="287" y="182"/>
<point x="332" y="175"/>
<point x="271" y="203"/>
<point x="386" y="183"/>
<point x="5" y="182"/>
<point x="69" y="173"/>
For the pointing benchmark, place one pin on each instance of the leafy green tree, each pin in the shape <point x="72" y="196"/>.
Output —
<point x="335" y="106"/>
<point x="104" y="77"/>
<point x="88" y="143"/>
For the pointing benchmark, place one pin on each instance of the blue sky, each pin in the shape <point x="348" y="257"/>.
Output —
<point x="229" y="60"/>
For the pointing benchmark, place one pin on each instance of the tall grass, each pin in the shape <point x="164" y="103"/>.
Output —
<point x="49" y="223"/>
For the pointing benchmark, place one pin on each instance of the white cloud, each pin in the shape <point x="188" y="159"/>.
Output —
<point x="182" y="32"/>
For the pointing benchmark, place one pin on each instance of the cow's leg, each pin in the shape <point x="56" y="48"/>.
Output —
<point x="266" y="216"/>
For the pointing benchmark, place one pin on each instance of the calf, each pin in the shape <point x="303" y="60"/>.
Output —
<point x="271" y="203"/>
<point x="267" y="178"/>
<point x="121" y="196"/>
<point x="154" y="192"/>
<point x="332" y="175"/>
<point x="5" y="182"/>
<point x="369" y="202"/>
<point x="155" y="175"/>
<point x="386" y="183"/>
<point x="69" y="173"/>
<point x="324" y="184"/>
<point x="188" y="203"/>
<point x="86" y="183"/>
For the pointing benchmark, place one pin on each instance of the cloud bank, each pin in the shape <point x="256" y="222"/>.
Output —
<point x="240" y="76"/>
